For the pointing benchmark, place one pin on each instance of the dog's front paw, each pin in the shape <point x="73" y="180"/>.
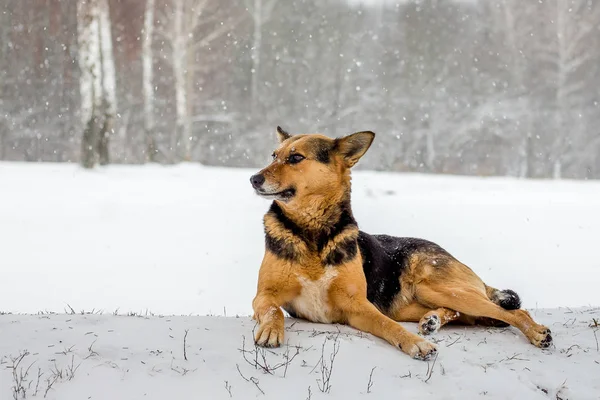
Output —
<point x="419" y="349"/>
<point x="429" y="324"/>
<point x="269" y="334"/>
<point x="423" y="350"/>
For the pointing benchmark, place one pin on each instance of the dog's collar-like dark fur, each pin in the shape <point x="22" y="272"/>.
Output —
<point x="316" y="241"/>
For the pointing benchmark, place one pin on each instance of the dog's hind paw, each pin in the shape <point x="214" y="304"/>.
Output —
<point x="542" y="337"/>
<point x="429" y="324"/>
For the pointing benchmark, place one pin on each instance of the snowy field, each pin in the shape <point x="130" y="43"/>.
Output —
<point x="156" y="241"/>
<point x="125" y="358"/>
<point x="189" y="240"/>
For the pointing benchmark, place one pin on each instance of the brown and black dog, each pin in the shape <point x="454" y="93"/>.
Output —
<point x="320" y="267"/>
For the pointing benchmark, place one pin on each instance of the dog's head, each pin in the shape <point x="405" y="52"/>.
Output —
<point x="308" y="167"/>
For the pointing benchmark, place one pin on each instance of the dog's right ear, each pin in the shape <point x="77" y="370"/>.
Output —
<point x="282" y="135"/>
<point x="353" y="147"/>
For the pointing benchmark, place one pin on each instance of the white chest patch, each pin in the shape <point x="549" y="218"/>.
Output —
<point x="313" y="302"/>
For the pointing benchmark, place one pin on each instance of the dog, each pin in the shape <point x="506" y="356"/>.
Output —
<point x="320" y="267"/>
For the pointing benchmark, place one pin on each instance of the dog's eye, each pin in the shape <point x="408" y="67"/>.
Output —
<point x="295" y="158"/>
<point x="274" y="156"/>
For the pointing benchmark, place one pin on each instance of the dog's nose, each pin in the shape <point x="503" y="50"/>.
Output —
<point x="257" y="180"/>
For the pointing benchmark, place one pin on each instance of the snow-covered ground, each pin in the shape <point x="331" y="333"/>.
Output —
<point x="187" y="240"/>
<point x="128" y="358"/>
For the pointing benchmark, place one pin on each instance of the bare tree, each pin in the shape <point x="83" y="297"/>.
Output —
<point x="568" y="53"/>
<point x="109" y="84"/>
<point x="97" y="81"/>
<point x="507" y="87"/>
<point x="90" y="80"/>
<point x="434" y="82"/>
<point x="513" y="36"/>
<point x="518" y="31"/>
<point x="183" y="23"/>
<point x="261" y="11"/>
<point x="148" y="78"/>
<point x="180" y="35"/>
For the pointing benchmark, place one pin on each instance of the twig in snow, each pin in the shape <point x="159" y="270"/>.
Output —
<point x="228" y="388"/>
<point x="37" y="383"/>
<point x="560" y="389"/>
<point x="255" y="381"/>
<point x="370" y="384"/>
<point x="242" y="375"/>
<point x="19" y="375"/>
<point x="183" y="371"/>
<point x="92" y="352"/>
<point x="571" y="348"/>
<point x="50" y="382"/>
<point x="66" y="351"/>
<point x="288" y="360"/>
<point x="56" y="372"/>
<point x="514" y="357"/>
<point x="457" y="339"/>
<point x="252" y="379"/>
<point x="256" y="362"/>
<point x="326" y="370"/>
<point x="260" y="361"/>
<point x="430" y="371"/>
<point x="184" y="344"/>
<point x="309" y="394"/>
<point x="291" y="326"/>
<point x="543" y="390"/>
<point x="71" y="369"/>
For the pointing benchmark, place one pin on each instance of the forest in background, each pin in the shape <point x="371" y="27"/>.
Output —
<point x="499" y="87"/>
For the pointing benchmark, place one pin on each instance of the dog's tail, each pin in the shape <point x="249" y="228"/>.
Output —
<point x="507" y="299"/>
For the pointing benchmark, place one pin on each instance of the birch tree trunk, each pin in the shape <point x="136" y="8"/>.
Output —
<point x="148" y="77"/>
<point x="261" y="11"/>
<point x="179" y="56"/>
<point x="90" y="86"/>
<point x="257" y="14"/>
<point x="109" y="84"/>
<point x="561" y="79"/>
<point x="188" y="138"/>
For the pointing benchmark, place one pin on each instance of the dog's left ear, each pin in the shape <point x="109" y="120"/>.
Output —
<point x="282" y="135"/>
<point x="353" y="147"/>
